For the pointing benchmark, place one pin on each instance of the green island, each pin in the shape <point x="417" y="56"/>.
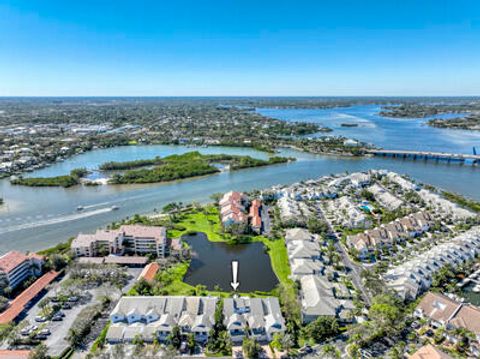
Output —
<point x="58" y="181"/>
<point x="470" y="122"/>
<point x="128" y="165"/>
<point x="187" y="165"/>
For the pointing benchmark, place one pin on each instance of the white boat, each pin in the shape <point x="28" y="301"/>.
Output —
<point x="80" y="208"/>
<point x="114" y="208"/>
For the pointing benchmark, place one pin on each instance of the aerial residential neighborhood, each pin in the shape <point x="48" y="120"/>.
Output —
<point x="341" y="246"/>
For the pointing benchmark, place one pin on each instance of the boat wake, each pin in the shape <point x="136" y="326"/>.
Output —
<point x="47" y="222"/>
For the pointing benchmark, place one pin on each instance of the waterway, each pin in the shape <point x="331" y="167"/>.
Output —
<point x="36" y="218"/>
<point x="211" y="265"/>
<point x="388" y="133"/>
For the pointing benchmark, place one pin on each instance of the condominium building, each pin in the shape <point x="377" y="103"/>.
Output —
<point x="136" y="239"/>
<point x="155" y="317"/>
<point x="15" y="267"/>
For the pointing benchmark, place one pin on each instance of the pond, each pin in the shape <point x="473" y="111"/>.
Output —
<point x="211" y="265"/>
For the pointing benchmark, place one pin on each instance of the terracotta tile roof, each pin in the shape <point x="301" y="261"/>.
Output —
<point x="429" y="352"/>
<point x="14" y="354"/>
<point x="149" y="271"/>
<point x="11" y="260"/>
<point x="36" y="256"/>
<point x="18" y="304"/>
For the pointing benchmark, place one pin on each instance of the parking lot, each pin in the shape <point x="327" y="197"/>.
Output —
<point x="58" y="325"/>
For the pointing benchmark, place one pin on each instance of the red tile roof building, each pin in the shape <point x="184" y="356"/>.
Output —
<point x="232" y="209"/>
<point x="150" y="271"/>
<point x="15" y="267"/>
<point x="254" y="214"/>
<point x="17" y="305"/>
<point x="15" y="354"/>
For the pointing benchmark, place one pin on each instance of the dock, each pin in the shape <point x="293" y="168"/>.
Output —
<point x="464" y="159"/>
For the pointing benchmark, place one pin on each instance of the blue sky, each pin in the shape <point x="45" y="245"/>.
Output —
<point x="243" y="47"/>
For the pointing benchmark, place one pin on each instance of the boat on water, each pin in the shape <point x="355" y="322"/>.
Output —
<point x="349" y="124"/>
<point x="80" y="208"/>
<point x="114" y="208"/>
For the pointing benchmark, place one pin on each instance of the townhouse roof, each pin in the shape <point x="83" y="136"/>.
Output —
<point x="467" y="317"/>
<point x="318" y="296"/>
<point x="429" y="352"/>
<point x="11" y="260"/>
<point x="438" y="307"/>
<point x="257" y="312"/>
<point x="298" y="234"/>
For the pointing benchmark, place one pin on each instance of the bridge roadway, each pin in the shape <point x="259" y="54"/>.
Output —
<point x="442" y="156"/>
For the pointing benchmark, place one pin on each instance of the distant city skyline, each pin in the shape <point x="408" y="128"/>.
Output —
<point x="239" y="48"/>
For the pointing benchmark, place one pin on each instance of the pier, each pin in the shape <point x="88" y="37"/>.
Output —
<point x="459" y="158"/>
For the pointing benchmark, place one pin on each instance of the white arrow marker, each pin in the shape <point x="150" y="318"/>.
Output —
<point x="235" y="284"/>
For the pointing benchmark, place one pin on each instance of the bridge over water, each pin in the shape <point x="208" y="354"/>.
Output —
<point x="459" y="158"/>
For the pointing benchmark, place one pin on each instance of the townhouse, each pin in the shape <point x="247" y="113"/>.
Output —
<point x="442" y="311"/>
<point x="319" y="297"/>
<point x="385" y="198"/>
<point x="415" y="276"/>
<point x="155" y="317"/>
<point x="397" y="231"/>
<point x="429" y="352"/>
<point x="15" y="267"/>
<point x="255" y="216"/>
<point x="137" y="239"/>
<point x="259" y="318"/>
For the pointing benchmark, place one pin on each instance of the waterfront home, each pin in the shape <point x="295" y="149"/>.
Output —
<point x="415" y="276"/>
<point x="155" y="317"/>
<point x="136" y="239"/>
<point x="444" y="207"/>
<point x="404" y="184"/>
<point x="259" y="318"/>
<point x="16" y="267"/>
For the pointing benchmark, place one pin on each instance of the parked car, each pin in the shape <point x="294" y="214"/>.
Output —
<point x="57" y="318"/>
<point x="66" y="306"/>
<point x="73" y="299"/>
<point x="40" y="319"/>
<point x="40" y="337"/>
<point x="45" y="331"/>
